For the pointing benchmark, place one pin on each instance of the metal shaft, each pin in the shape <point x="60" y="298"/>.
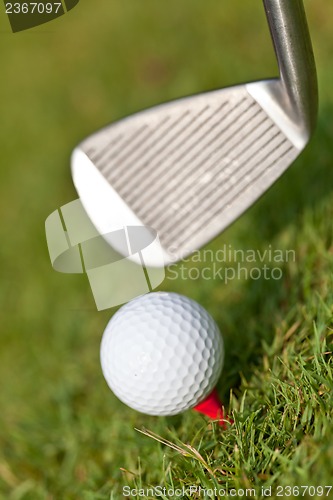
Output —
<point x="291" y="38"/>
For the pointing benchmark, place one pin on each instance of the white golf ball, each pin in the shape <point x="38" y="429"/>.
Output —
<point x="162" y="353"/>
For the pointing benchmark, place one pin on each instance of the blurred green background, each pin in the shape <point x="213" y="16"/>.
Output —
<point x="62" y="433"/>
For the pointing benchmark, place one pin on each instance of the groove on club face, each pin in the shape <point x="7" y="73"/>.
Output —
<point x="189" y="168"/>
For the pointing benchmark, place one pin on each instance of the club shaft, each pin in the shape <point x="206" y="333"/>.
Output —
<point x="293" y="47"/>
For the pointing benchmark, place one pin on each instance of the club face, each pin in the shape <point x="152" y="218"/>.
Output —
<point x="187" y="169"/>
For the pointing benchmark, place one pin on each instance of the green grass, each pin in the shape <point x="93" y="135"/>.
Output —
<point x="63" y="435"/>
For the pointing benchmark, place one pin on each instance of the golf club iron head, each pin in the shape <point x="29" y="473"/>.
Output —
<point x="189" y="168"/>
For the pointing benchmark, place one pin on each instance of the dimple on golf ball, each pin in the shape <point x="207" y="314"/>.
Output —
<point x="162" y="353"/>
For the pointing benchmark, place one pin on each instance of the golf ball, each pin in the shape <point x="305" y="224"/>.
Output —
<point x="162" y="353"/>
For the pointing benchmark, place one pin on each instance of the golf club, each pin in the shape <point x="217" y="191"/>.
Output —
<point x="189" y="168"/>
